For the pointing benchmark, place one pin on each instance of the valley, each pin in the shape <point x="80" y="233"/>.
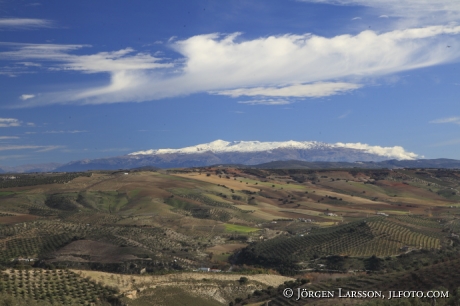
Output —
<point x="224" y="235"/>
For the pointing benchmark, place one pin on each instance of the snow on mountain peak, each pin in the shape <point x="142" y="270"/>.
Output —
<point x="222" y="146"/>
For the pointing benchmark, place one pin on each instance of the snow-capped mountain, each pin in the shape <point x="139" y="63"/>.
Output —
<point x="245" y="153"/>
<point x="222" y="146"/>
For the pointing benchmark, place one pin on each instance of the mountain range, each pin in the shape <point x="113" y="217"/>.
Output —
<point x="306" y="154"/>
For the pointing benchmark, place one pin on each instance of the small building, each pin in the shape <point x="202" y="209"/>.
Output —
<point x="203" y="269"/>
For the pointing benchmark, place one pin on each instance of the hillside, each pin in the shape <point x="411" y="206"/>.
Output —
<point x="239" y="221"/>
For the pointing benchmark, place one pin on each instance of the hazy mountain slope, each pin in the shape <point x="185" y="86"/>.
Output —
<point x="297" y="164"/>
<point x="419" y="163"/>
<point x="422" y="163"/>
<point x="30" y="168"/>
<point x="244" y="152"/>
<point x="175" y="160"/>
<point x="306" y="154"/>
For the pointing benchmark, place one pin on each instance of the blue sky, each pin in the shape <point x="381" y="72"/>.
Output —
<point x="87" y="79"/>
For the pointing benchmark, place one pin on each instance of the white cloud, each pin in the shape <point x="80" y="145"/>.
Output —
<point x="65" y="132"/>
<point x="29" y="147"/>
<point x="266" y="102"/>
<point x="24" y="23"/>
<point x="356" y="18"/>
<point x="116" y="61"/>
<point x="455" y="120"/>
<point x="30" y="64"/>
<point x="13" y="157"/>
<point x="383" y="16"/>
<point x="49" y="148"/>
<point x="314" y="90"/>
<point x="396" y="152"/>
<point x="344" y="115"/>
<point x="415" y="12"/>
<point x="274" y="66"/>
<point x="8" y="137"/>
<point x="113" y="62"/>
<point x="115" y="150"/>
<point x="26" y="97"/>
<point x="9" y="122"/>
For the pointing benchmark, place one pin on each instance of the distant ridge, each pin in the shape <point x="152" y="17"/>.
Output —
<point x="422" y="163"/>
<point x="110" y="164"/>
<point x="298" y="164"/>
<point x="287" y="154"/>
<point x="390" y="164"/>
<point x="245" y="153"/>
<point x="48" y="167"/>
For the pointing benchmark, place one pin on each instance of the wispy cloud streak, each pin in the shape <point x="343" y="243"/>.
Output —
<point x="9" y="122"/>
<point x="414" y="12"/>
<point x="8" y="137"/>
<point x="65" y="132"/>
<point x="29" y="147"/>
<point x="266" y="102"/>
<point x="455" y="120"/>
<point x="24" y="23"/>
<point x="314" y="90"/>
<point x="26" y="97"/>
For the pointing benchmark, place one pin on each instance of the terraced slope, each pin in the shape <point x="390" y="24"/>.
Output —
<point x="59" y="287"/>
<point x="378" y="236"/>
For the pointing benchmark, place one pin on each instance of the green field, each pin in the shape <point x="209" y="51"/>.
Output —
<point x="6" y="193"/>
<point x="240" y="228"/>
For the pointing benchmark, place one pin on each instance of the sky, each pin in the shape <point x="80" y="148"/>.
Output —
<point x="88" y="79"/>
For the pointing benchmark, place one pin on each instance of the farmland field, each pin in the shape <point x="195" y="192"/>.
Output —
<point x="139" y="239"/>
<point x="239" y="228"/>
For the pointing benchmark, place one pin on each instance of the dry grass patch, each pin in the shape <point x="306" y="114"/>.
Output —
<point x="17" y="219"/>
<point x="127" y="283"/>
<point x="213" y="179"/>
<point x="95" y="251"/>
<point x="224" y="248"/>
